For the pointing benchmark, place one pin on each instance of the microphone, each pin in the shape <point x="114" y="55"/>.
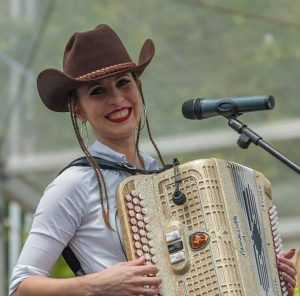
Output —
<point x="227" y="107"/>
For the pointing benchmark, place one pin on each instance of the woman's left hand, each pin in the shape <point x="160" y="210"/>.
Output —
<point x="287" y="270"/>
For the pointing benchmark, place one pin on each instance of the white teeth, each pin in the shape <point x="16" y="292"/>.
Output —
<point x="118" y="115"/>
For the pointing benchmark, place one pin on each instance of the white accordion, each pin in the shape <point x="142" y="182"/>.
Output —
<point x="222" y="239"/>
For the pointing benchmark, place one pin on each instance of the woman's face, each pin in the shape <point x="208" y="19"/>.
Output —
<point x="112" y="106"/>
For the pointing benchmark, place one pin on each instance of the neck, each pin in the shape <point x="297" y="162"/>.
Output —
<point x="126" y="147"/>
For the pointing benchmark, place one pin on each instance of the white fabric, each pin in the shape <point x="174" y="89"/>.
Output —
<point x="70" y="213"/>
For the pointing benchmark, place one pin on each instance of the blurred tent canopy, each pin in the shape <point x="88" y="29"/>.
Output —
<point x="203" y="49"/>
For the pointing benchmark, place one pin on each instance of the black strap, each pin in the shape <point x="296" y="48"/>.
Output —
<point x="72" y="261"/>
<point x="116" y="166"/>
<point x="104" y="164"/>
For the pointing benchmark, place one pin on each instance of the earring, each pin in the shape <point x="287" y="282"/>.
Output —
<point x="83" y="129"/>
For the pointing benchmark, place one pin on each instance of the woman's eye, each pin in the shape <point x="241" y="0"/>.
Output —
<point x="122" y="82"/>
<point x="97" y="91"/>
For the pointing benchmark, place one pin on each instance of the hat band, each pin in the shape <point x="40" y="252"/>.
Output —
<point x="106" y="70"/>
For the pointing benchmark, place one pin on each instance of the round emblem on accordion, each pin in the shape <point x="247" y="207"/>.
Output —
<point x="199" y="240"/>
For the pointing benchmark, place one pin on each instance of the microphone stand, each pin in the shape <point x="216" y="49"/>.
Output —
<point x="248" y="136"/>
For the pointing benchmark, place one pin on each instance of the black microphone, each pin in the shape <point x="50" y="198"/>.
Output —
<point x="227" y="107"/>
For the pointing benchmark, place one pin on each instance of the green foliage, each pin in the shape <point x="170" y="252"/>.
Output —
<point x="61" y="269"/>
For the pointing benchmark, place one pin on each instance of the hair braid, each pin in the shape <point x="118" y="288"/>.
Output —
<point x="149" y="132"/>
<point x="148" y="127"/>
<point x="92" y="162"/>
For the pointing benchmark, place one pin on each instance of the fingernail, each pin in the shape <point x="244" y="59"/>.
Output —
<point x="280" y="259"/>
<point x="289" y="285"/>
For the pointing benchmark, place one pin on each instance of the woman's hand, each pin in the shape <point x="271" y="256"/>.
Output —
<point x="126" y="279"/>
<point x="287" y="270"/>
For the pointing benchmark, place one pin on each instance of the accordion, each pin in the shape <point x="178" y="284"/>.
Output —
<point x="208" y="225"/>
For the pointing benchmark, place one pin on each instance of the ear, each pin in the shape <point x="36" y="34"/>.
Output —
<point x="78" y="112"/>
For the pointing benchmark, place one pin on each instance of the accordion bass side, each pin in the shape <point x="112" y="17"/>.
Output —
<point x="223" y="240"/>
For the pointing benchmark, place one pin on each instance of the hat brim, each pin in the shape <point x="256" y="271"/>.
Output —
<point x="54" y="85"/>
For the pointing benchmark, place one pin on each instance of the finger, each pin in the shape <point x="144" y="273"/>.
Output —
<point x="146" y="270"/>
<point x="138" y="262"/>
<point x="148" y="291"/>
<point x="287" y="269"/>
<point x="290" y="289"/>
<point x="289" y="281"/>
<point x="150" y="281"/>
<point x="289" y="254"/>
<point x="283" y="261"/>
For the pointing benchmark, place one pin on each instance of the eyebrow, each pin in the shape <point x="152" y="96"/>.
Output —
<point x="122" y="74"/>
<point x="115" y="78"/>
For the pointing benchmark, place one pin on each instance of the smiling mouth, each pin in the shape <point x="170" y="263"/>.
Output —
<point x="119" y="115"/>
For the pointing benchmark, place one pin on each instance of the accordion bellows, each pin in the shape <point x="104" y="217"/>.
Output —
<point x="223" y="239"/>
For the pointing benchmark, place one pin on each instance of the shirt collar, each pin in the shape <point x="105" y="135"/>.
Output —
<point x="100" y="150"/>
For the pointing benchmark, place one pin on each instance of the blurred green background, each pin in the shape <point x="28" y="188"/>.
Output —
<point x="203" y="49"/>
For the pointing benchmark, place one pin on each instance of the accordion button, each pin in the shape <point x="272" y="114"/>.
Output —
<point x="138" y="245"/>
<point x="149" y="235"/>
<point x="134" y="193"/>
<point x="141" y="224"/>
<point x="147" y="257"/>
<point x="142" y="203"/>
<point x="142" y="232"/>
<point x="133" y="221"/>
<point x="139" y="252"/>
<point x="151" y="243"/>
<point x="171" y="236"/>
<point x="152" y="251"/>
<point x="139" y="216"/>
<point x="137" y="209"/>
<point x="131" y="213"/>
<point x="144" y="211"/>
<point x="136" y="237"/>
<point x="147" y="227"/>
<point x="130" y="205"/>
<point x="128" y="197"/>
<point x="141" y="196"/>
<point x="146" y="220"/>
<point x="136" y="201"/>
<point x="154" y="260"/>
<point x="145" y="248"/>
<point x="144" y="240"/>
<point x="177" y="257"/>
<point x="134" y="229"/>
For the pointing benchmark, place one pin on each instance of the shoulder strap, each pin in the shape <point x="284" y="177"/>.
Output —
<point x="104" y="164"/>
<point x="72" y="261"/>
<point x="116" y="166"/>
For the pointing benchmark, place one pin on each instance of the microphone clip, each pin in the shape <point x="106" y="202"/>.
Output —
<point x="179" y="197"/>
<point x="227" y="108"/>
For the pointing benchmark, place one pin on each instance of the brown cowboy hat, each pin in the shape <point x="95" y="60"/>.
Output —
<point x="89" y="56"/>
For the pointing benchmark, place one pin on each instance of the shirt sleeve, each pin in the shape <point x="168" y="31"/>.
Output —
<point x="58" y="216"/>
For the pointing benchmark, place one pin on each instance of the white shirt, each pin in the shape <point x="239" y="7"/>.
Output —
<point x="70" y="213"/>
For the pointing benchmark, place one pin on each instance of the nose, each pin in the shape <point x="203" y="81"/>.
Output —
<point x="115" y="96"/>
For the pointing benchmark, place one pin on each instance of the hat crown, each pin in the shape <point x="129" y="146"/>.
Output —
<point x="93" y="50"/>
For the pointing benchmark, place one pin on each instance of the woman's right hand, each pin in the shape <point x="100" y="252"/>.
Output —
<point x="126" y="279"/>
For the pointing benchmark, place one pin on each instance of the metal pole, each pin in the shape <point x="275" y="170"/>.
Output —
<point x="14" y="238"/>
<point x="2" y="243"/>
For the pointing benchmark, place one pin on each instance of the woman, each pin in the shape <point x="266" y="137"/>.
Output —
<point x="100" y="85"/>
